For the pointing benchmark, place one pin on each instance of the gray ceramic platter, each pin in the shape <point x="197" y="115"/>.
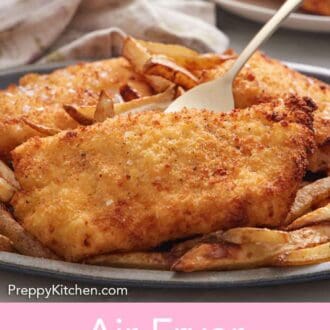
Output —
<point x="150" y="278"/>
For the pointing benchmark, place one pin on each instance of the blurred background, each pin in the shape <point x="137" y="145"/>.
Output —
<point x="57" y="30"/>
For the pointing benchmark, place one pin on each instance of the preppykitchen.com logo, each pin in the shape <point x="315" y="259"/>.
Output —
<point x="63" y="290"/>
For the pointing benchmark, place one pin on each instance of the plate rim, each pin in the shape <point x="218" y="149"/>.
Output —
<point x="199" y="280"/>
<point x="153" y="278"/>
<point x="269" y="11"/>
<point x="294" y="17"/>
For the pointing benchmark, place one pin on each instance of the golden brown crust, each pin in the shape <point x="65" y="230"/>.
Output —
<point x="261" y="80"/>
<point x="135" y="181"/>
<point x="5" y="244"/>
<point x="264" y="78"/>
<point x="40" y="98"/>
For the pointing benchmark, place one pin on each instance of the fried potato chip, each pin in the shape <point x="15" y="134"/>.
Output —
<point x="256" y="248"/>
<point x="45" y="130"/>
<point x="307" y="256"/>
<point x="135" y="53"/>
<point x="180" y="248"/>
<point x="140" y="260"/>
<point x="82" y="115"/>
<point x="308" y="196"/>
<point x="225" y="256"/>
<point x="159" y="84"/>
<point x="309" y="236"/>
<point x="176" y="52"/>
<point x="128" y="93"/>
<point x="142" y="87"/>
<point x="104" y="108"/>
<point x="244" y="235"/>
<point x="134" y="89"/>
<point x="8" y="174"/>
<point x="22" y="241"/>
<point x="321" y="214"/>
<point x="162" y="66"/>
<point x="185" y="57"/>
<point x="85" y="115"/>
<point x="6" y="245"/>
<point x="6" y="191"/>
<point x="139" y="52"/>
<point x="204" y="61"/>
<point x="155" y="102"/>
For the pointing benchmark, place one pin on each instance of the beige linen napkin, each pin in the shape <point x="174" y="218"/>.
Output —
<point x="56" y="30"/>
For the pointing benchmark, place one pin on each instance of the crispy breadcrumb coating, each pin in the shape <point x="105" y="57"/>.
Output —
<point x="135" y="181"/>
<point x="40" y="98"/>
<point x="264" y="78"/>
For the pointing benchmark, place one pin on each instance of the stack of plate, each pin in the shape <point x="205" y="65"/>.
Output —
<point x="262" y="10"/>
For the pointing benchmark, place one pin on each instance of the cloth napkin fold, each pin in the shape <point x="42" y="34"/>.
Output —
<point x="57" y="30"/>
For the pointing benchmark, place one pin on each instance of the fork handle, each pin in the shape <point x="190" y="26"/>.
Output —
<point x="267" y="30"/>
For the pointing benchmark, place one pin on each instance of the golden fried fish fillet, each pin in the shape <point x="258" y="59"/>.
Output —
<point x="40" y="98"/>
<point x="264" y="78"/>
<point x="137" y="180"/>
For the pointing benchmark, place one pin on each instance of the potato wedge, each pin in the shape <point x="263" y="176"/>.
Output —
<point x="180" y="248"/>
<point x="8" y="174"/>
<point x="22" y="241"/>
<point x="104" y="108"/>
<point x="85" y="115"/>
<point x="82" y="115"/>
<point x="128" y="93"/>
<point x="162" y="66"/>
<point x="135" y="89"/>
<point x="309" y="236"/>
<point x="181" y="55"/>
<point x="308" y="196"/>
<point x="319" y="215"/>
<point x="257" y="248"/>
<point x="5" y="244"/>
<point x="45" y="130"/>
<point x="135" y="53"/>
<point x="256" y="235"/>
<point x="176" y="52"/>
<point x="6" y="191"/>
<point x="225" y="256"/>
<point x="140" y="260"/>
<point x="159" y="84"/>
<point x="155" y="102"/>
<point x="307" y="256"/>
<point x="298" y="238"/>
<point x="204" y="61"/>
<point x="186" y="57"/>
<point x="141" y="87"/>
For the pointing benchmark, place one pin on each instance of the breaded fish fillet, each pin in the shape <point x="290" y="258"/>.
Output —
<point x="40" y="98"/>
<point x="264" y="78"/>
<point x="135" y="181"/>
